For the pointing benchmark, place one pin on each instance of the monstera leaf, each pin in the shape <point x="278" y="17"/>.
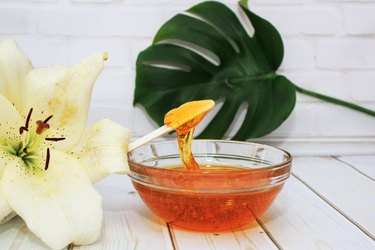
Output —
<point x="173" y="70"/>
<point x="206" y="53"/>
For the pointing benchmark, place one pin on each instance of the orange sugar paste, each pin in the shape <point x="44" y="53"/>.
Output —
<point x="184" y="120"/>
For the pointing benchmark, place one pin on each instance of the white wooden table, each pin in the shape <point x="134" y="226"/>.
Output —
<point x="328" y="203"/>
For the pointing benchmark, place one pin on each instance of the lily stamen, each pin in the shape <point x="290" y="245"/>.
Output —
<point x="47" y="159"/>
<point x="26" y="127"/>
<point x="41" y="126"/>
<point x="47" y="119"/>
<point x="55" y="139"/>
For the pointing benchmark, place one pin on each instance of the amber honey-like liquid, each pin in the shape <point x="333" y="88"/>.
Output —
<point x="209" y="211"/>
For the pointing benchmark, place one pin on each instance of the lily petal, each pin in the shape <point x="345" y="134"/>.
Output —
<point x="14" y="66"/>
<point x="9" y="132"/>
<point x="102" y="149"/>
<point x="10" y="122"/>
<point x="64" y="93"/>
<point x="5" y="209"/>
<point x="59" y="205"/>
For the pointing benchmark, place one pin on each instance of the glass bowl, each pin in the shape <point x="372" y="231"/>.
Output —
<point x="237" y="182"/>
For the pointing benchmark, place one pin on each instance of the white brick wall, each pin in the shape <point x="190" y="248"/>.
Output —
<point x="329" y="47"/>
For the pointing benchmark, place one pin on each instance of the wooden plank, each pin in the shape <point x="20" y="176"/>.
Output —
<point x="121" y="231"/>
<point x="364" y="164"/>
<point x="316" y="146"/>
<point x="252" y="238"/>
<point x="128" y="224"/>
<point x="127" y="231"/>
<point x="119" y="195"/>
<point x="307" y="146"/>
<point x="15" y="235"/>
<point x="349" y="191"/>
<point x="300" y="219"/>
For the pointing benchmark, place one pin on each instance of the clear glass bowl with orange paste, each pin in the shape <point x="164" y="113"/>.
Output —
<point x="236" y="183"/>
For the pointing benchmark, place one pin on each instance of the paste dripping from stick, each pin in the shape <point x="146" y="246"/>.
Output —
<point x="185" y="131"/>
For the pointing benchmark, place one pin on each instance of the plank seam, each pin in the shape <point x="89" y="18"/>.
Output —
<point x="353" y="167"/>
<point x="367" y="233"/>
<point x="269" y="234"/>
<point x="172" y="236"/>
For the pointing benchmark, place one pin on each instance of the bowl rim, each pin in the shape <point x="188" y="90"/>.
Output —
<point x="207" y="171"/>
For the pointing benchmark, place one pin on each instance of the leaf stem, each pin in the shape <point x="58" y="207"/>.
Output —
<point x="335" y="101"/>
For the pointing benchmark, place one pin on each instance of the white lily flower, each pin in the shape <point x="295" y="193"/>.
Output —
<point x="48" y="158"/>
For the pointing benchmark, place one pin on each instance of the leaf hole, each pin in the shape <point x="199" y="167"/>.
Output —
<point x="168" y="65"/>
<point x="230" y="40"/>
<point x="237" y="120"/>
<point x="235" y="124"/>
<point x="205" y="53"/>
<point x="207" y="119"/>
<point x="244" y="20"/>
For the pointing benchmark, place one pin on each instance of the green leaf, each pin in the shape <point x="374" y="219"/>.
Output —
<point x="208" y="54"/>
